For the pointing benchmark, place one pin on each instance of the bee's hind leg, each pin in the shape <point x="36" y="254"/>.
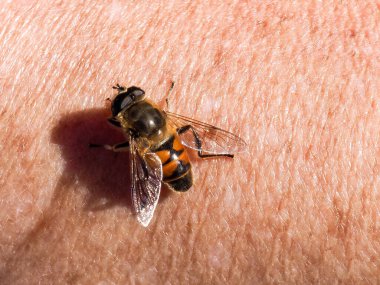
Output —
<point x="198" y="143"/>
<point x="124" y="146"/>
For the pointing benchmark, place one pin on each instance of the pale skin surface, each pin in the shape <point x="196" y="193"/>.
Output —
<point x="299" y="82"/>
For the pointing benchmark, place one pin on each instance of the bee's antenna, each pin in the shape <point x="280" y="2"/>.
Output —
<point x="119" y="88"/>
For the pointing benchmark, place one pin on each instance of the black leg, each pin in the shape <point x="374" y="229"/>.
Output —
<point x="114" y="122"/>
<point x="124" y="146"/>
<point x="170" y="89"/>
<point x="198" y="142"/>
<point x="167" y="95"/>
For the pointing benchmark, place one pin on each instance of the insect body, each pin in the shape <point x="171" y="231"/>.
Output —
<point x="176" y="167"/>
<point x="156" y="140"/>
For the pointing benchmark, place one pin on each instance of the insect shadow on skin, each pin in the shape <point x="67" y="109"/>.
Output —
<point x="156" y="141"/>
<point x="106" y="175"/>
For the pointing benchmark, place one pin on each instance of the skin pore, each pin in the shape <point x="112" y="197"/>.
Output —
<point x="298" y="81"/>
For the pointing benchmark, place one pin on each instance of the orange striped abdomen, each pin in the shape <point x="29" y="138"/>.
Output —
<point x="176" y="166"/>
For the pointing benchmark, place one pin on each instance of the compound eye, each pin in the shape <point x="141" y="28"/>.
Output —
<point x="119" y="103"/>
<point x="136" y="93"/>
<point x="127" y="100"/>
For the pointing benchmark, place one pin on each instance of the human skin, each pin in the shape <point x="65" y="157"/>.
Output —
<point x="298" y="81"/>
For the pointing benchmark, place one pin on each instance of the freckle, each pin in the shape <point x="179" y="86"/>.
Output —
<point x="218" y="57"/>
<point x="195" y="75"/>
<point x="22" y="143"/>
<point x="308" y="153"/>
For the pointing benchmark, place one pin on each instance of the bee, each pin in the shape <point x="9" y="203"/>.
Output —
<point x="157" y="142"/>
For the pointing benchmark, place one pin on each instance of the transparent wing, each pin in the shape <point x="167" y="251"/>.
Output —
<point x="213" y="140"/>
<point x="146" y="172"/>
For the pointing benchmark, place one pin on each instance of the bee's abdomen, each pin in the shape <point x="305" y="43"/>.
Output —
<point x="182" y="183"/>
<point x="176" y="166"/>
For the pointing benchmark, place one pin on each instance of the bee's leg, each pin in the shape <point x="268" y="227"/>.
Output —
<point x="119" y="88"/>
<point x="198" y="142"/>
<point x="124" y="146"/>
<point x="114" y="122"/>
<point x="167" y="95"/>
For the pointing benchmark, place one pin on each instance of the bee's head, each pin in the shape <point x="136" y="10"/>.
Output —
<point x="126" y="98"/>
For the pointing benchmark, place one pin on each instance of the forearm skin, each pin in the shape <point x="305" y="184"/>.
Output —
<point x="299" y="82"/>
